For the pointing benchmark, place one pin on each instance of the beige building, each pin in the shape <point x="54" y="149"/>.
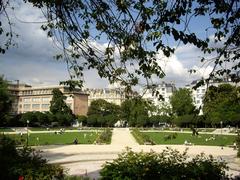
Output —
<point x="28" y="98"/>
<point x="112" y="95"/>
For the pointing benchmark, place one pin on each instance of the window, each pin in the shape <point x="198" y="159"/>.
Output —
<point x="45" y="106"/>
<point x="198" y="101"/>
<point x="163" y="89"/>
<point x="36" y="106"/>
<point x="36" y="99"/>
<point x="26" y="106"/>
<point x="20" y="106"/>
<point x="46" y="99"/>
<point x="26" y="100"/>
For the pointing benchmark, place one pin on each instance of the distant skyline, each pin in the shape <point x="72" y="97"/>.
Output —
<point x="32" y="60"/>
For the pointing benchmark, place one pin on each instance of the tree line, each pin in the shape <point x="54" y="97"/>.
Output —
<point x="221" y="106"/>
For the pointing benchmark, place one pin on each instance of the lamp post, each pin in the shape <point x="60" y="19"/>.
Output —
<point x="27" y="131"/>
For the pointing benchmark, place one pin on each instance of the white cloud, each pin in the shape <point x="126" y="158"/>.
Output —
<point x="32" y="61"/>
<point x="177" y="70"/>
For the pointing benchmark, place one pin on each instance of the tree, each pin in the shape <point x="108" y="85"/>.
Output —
<point x="182" y="102"/>
<point x="5" y="101"/>
<point x="58" y="104"/>
<point x="132" y="26"/>
<point x="103" y="113"/>
<point x="82" y="119"/>
<point x="136" y="111"/>
<point x="25" y="162"/>
<point x="135" y="32"/>
<point x="156" y="119"/>
<point x="183" y="108"/>
<point x="222" y="103"/>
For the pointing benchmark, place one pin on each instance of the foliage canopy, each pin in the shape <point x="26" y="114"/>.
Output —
<point x="58" y="104"/>
<point x="135" y="32"/>
<point x="222" y="103"/>
<point x="5" y="101"/>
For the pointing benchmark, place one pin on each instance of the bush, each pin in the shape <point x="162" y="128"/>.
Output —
<point x="170" y="164"/>
<point x="24" y="162"/>
<point x="104" y="137"/>
<point x="82" y="119"/>
<point x="238" y="145"/>
<point x="142" y="138"/>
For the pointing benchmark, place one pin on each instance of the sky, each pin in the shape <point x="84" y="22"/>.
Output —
<point x="32" y="62"/>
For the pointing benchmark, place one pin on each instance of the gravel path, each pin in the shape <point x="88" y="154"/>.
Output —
<point x="123" y="137"/>
<point x="88" y="159"/>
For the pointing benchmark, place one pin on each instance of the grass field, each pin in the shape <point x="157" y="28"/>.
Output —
<point x="220" y="140"/>
<point x="51" y="129"/>
<point x="52" y="138"/>
<point x="66" y="128"/>
<point x="180" y="129"/>
<point x="6" y="130"/>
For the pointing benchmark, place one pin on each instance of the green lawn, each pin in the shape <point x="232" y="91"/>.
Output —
<point x="66" y="128"/>
<point x="158" y="138"/>
<point x="6" y="130"/>
<point x="51" y="129"/>
<point x="189" y="129"/>
<point x="52" y="138"/>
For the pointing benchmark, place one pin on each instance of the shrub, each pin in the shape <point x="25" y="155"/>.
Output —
<point x="141" y="138"/>
<point x="104" y="137"/>
<point x="238" y="145"/>
<point x="170" y="164"/>
<point x="24" y="162"/>
<point x="82" y="119"/>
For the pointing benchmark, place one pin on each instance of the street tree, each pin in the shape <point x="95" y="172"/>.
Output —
<point x="222" y="103"/>
<point x="5" y="101"/>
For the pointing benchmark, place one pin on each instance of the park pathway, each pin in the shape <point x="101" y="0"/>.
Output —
<point x="123" y="137"/>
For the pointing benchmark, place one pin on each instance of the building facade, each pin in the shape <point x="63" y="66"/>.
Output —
<point x="199" y="93"/>
<point x="165" y="90"/>
<point x="28" y="98"/>
<point x="111" y="95"/>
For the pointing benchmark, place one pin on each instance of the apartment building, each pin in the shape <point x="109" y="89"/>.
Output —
<point x="111" y="95"/>
<point x="165" y="90"/>
<point x="199" y="93"/>
<point x="28" y="98"/>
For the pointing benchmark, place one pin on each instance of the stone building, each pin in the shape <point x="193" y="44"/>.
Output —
<point x="111" y="95"/>
<point x="28" y="98"/>
<point x="165" y="90"/>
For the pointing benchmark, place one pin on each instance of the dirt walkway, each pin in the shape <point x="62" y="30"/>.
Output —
<point x="123" y="137"/>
